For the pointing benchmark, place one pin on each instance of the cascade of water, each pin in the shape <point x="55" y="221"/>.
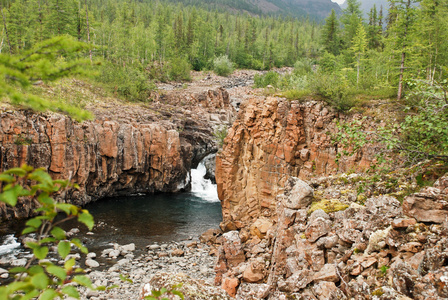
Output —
<point x="201" y="187"/>
<point x="9" y="244"/>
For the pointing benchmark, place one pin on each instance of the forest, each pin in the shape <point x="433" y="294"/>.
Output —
<point x="342" y="58"/>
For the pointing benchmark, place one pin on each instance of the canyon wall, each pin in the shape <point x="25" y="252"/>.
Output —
<point x="127" y="149"/>
<point x="271" y="140"/>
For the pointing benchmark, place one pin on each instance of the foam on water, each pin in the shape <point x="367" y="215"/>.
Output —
<point x="201" y="187"/>
<point x="9" y="244"/>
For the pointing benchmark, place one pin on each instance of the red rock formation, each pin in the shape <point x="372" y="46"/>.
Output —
<point x="271" y="140"/>
<point x="127" y="149"/>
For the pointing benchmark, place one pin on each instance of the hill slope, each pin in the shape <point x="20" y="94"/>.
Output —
<point x="315" y="9"/>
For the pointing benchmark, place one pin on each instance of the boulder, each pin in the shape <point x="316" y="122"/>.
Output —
<point x="254" y="272"/>
<point x="298" y="194"/>
<point x="260" y="227"/>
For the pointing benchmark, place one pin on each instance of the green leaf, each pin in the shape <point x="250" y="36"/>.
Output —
<point x="68" y="266"/>
<point x="70" y="291"/>
<point x="83" y="280"/>
<point x="178" y="293"/>
<point x="6" y="178"/>
<point x="86" y="218"/>
<point x="29" y="230"/>
<point x="64" y="248"/>
<point x="16" y="171"/>
<point x="44" y="198"/>
<point x="80" y="246"/>
<point x="57" y="271"/>
<point x="17" y="270"/>
<point x="58" y="233"/>
<point x="40" y="252"/>
<point x="67" y="208"/>
<point x="48" y="294"/>
<point x="47" y="240"/>
<point x="30" y="295"/>
<point x="125" y="278"/>
<point x="41" y="176"/>
<point x="10" y="196"/>
<point x="40" y="281"/>
<point x="35" y="269"/>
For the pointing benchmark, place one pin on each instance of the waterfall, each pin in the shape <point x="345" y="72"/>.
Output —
<point x="201" y="187"/>
<point x="9" y="244"/>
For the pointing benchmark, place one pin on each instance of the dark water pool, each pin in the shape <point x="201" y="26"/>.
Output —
<point x="147" y="219"/>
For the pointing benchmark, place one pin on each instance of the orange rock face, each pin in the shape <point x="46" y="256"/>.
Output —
<point x="271" y="140"/>
<point x="105" y="158"/>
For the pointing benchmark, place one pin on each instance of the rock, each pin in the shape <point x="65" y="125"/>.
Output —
<point x="271" y="140"/>
<point x="128" y="248"/>
<point x="91" y="255"/>
<point x="429" y="205"/>
<point x="233" y="249"/>
<point x="298" y="281"/>
<point x="260" y="227"/>
<point x="21" y="262"/>
<point x="317" y="228"/>
<point x="403" y="223"/>
<point x="177" y="252"/>
<point x="298" y="194"/>
<point x="191" y="288"/>
<point x="210" y="235"/>
<point x="126" y="149"/>
<point x="114" y="253"/>
<point x="230" y="285"/>
<point x="3" y="271"/>
<point x="327" y="290"/>
<point x="252" y="291"/>
<point x="254" y="272"/>
<point x="327" y="273"/>
<point x="92" y="263"/>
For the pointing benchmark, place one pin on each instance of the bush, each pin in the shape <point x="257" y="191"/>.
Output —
<point x="335" y="90"/>
<point x="270" y="78"/>
<point x="130" y="82"/>
<point x="40" y="277"/>
<point x="222" y="66"/>
<point x="179" y="69"/>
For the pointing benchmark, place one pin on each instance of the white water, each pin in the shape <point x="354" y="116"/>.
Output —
<point x="201" y="187"/>
<point x="9" y="245"/>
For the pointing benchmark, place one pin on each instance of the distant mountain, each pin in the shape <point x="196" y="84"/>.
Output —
<point x="315" y="9"/>
<point x="366" y="5"/>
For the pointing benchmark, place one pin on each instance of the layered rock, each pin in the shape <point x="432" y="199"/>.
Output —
<point x="361" y="252"/>
<point x="126" y="150"/>
<point x="271" y="140"/>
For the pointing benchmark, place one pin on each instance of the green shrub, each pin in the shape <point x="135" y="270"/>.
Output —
<point x="303" y="67"/>
<point x="270" y="78"/>
<point x="335" y="90"/>
<point x="294" y="94"/>
<point x="222" y="66"/>
<point x="130" y="82"/>
<point x="179" y="69"/>
<point x="40" y="277"/>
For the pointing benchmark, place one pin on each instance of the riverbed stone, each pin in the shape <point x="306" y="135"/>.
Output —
<point x="92" y="263"/>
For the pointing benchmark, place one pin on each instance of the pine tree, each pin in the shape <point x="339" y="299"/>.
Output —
<point x="330" y="37"/>
<point x="359" y="45"/>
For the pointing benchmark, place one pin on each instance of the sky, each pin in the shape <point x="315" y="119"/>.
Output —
<point x="338" y="1"/>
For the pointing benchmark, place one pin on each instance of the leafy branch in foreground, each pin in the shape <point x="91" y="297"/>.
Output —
<point x="47" y="61"/>
<point x="40" y="277"/>
<point x="422" y="135"/>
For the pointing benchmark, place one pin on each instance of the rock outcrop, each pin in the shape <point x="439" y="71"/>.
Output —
<point x="126" y="150"/>
<point x="271" y="140"/>
<point x="373" y="251"/>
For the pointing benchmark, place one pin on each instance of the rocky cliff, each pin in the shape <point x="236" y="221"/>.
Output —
<point x="271" y="140"/>
<point x="378" y="250"/>
<point x="127" y="149"/>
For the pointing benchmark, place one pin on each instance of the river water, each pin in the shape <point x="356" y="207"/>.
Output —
<point x="146" y="219"/>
